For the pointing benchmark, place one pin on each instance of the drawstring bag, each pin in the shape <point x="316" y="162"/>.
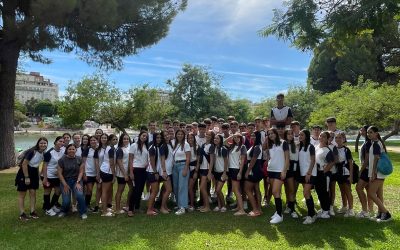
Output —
<point x="384" y="165"/>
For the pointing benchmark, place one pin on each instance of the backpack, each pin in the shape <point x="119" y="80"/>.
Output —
<point x="384" y="164"/>
<point x="21" y="157"/>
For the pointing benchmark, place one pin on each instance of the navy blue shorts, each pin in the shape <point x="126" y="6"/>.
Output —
<point x="151" y="178"/>
<point x="343" y="179"/>
<point x="218" y="176"/>
<point x="274" y="175"/>
<point x="302" y="179"/>
<point x="53" y="182"/>
<point x="33" y="176"/>
<point x="203" y="172"/>
<point x="364" y="175"/>
<point x="90" y="179"/>
<point x="121" y="180"/>
<point x="233" y="173"/>
<point x="191" y="174"/>
<point x="105" y="177"/>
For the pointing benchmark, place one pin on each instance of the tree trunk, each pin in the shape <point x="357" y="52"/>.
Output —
<point x="357" y="141"/>
<point x="9" y="53"/>
<point x="395" y="131"/>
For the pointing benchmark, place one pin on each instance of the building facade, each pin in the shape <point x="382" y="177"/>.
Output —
<point x="33" y="85"/>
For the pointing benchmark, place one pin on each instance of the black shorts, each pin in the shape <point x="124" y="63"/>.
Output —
<point x="333" y="177"/>
<point x="53" y="182"/>
<point x="105" y="177"/>
<point x="90" y="179"/>
<point x="274" y="175"/>
<point x="151" y="178"/>
<point x="33" y="176"/>
<point x="121" y="180"/>
<point x="233" y="173"/>
<point x="161" y="178"/>
<point x="218" y="176"/>
<point x="302" y="179"/>
<point x="203" y="172"/>
<point x="364" y="175"/>
<point x="290" y="174"/>
<point x="343" y="179"/>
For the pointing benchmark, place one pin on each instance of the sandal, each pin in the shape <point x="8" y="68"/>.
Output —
<point x="239" y="213"/>
<point x="130" y="214"/>
<point x="204" y="210"/>
<point x="151" y="213"/>
<point x="253" y="214"/>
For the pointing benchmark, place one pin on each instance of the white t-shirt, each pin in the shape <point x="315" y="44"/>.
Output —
<point x="209" y="149"/>
<point x="79" y="151"/>
<point x="90" y="167"/>
<point x="344" y="155"/>
<point x="200" y="141"/>
<point x="122" y="154"/>
<point x="294" y="156"/>
<point x="375" y="149"/>
<point x="235" y="156"/>
<point x="220" y="159"/>
<point x="169" y="159"/>
<point x="34" y="158"/>
<point x="109" y="156"/>
<point x="100" y="152"/>
<point x="276" y="161"/>
<point x="323" y="156"/>
<point x="314" y="142"/>
<point x="140" y="159"/>
<point x="51" y="157"/>
<point x="280" y="114"/>
<point x="180" y="153"/>
<point x="305" y="160"/>
<point x="157" y="153"/>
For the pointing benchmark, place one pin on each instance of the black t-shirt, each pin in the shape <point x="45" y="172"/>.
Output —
<point x="70" y="166"/>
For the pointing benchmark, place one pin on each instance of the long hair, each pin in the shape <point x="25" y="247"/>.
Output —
<point x="57" y="138"/>
<point x="375" y="129"/>
<point x="87" y="145"/>
<point x="277" y="141"/>
<point x="220" y="145"/>
<point x="140" y="143"/>
<point x="36" y="147"/>
<point x="100" y="143"/>
<point x="165" y="143"/>
<point x="291" y="143"/>
<point x="238" y="145"/>
<point x="121" y="139"/>
<point x="257" y="142"/>
<point x="307" y="140"/>
<point x="194" y="140"/>
<point x="90" y="138"/>
<point x="182" y="143"/>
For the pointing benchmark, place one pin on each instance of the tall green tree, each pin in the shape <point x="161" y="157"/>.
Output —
<point x="30" y="105"/>
<point x="45" y="108"/>
<point x="367" y="103"/>
<point x="196" y="94"/>
<point x="348" y="38"/>
<point x="101" y="32"/>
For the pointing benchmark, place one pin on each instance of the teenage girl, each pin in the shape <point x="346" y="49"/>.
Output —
<point x="308" y="172"/>
<point x="122" y="171"/>
<point x="237" y="160"/>
<point x="27" y="178"/>
<point x="168" y="161"/>
<point x="204" y="168"/>
<point x="290" y="182"/>
<point x="376" y="178"/>
<point x="278" y="166"/>
<point x="154" y="170"/>
<point x="107" y="175"/>
<point x="103" y="142"/>
<point x="333" y="173"/>
<point x="138" y="162"/>
<point x="85" y="142"/>
<point x="254" y="174"/>
<point x="345" y="174"/>
<point x="220" y="171"/>
<point x="366" y="202"/>
<point x="89" y="157"/>
<point x="324" y="160"/>
<point x="50" y="177"/>
<point x="194" y="156"/>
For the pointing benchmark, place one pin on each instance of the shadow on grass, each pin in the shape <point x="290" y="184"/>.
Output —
<point x="192" y="230"/>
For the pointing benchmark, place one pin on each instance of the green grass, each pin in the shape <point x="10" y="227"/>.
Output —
<point x="197" y="231"/>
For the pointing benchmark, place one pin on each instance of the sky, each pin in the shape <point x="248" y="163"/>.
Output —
<point x="221" y="35"/>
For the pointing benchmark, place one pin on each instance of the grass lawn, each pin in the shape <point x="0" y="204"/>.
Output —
<point x="198" y="231"/>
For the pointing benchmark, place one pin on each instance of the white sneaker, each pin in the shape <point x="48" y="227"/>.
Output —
<point x="74" y="209"/>
<point x="294" y="215"/>
<point x="110" y="210"/>
<point x="349" y="213"/>
<point x="190" y="209"/>
<point x="180" y="211"/>
<point x="84" y="216"/>
<point x="287" y="210"/>
<point x="61" y="214"/>
<point x="324" y="215"/>
<point x="223" y="210"/>
<point x="274" y="215"/>
<point x="309" y="220"/>
<point x="245" y="206"/>
<point x="216" y="209"/>
<point x="331" y="211"/>
<point x="146" y="197"/>
<point x="277" y="219"/>
<point x="363" y="214"/>
<point x="342" y="210"/>
<point x="108" y="214"/>
<point x="56" y="209"/>
<point x="50" y="212"/>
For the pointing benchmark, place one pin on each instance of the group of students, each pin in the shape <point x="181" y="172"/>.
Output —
<point x="204" y="156"/>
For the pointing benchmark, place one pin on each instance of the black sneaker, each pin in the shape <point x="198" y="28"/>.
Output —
<point x="377" y="217"/>
<point x="34" y="215"/>
<point x="95" y="209"/>
<point x="385" y="217"/>
<point x="23" y="217"/>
